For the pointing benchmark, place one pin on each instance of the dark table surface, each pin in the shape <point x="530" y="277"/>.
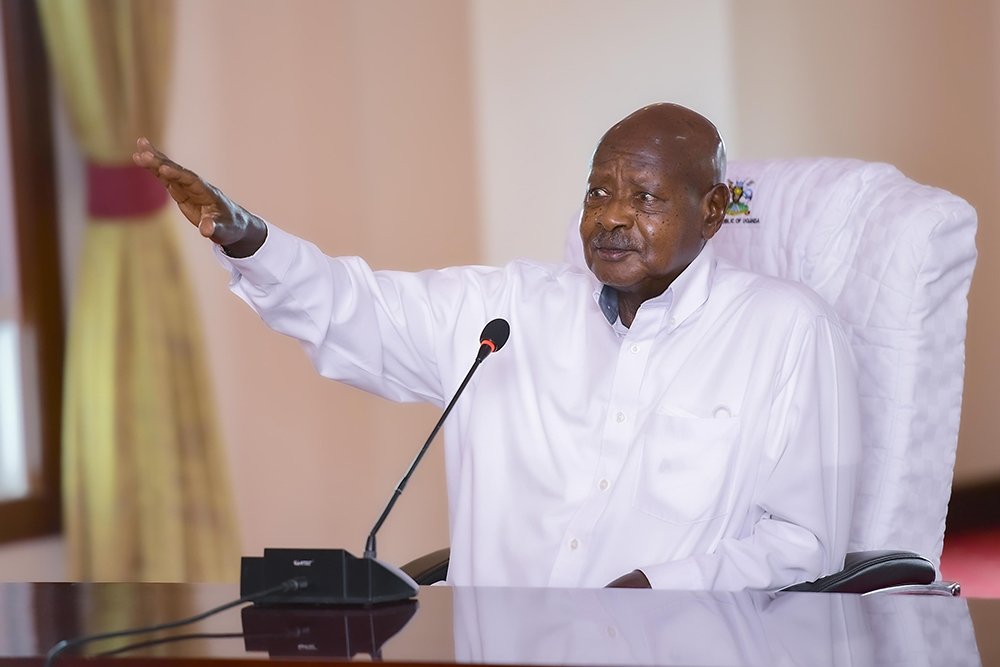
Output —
<point x="512" y="626"/>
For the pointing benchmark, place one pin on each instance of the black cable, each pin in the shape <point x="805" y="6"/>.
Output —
<point x="286" y="587"/>
<point x="180" y="638"/>
<point x="167" y="640"/>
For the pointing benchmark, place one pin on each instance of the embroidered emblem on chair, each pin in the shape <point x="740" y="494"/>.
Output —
<point x="741" y="193"/>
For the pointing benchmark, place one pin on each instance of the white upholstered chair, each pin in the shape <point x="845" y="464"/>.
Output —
<point x="894" y="258"/>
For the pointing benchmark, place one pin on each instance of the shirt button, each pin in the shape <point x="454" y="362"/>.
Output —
<point x="635" y="349"/>
<point x="673" y="321"/>
<point x="721" y="411"/>
<point x="620" y="417"/>
<point x="574" y="544"/>
<point x="603" y="484"/>
<point x="611" y="631"/>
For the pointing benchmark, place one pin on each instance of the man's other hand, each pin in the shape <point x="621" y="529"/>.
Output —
<point x="238" y="231"/>
<point x="634" y="579"/>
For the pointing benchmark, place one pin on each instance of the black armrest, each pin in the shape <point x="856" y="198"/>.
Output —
<point x="864" y="571"/>
<point x="867" y="571"/>
<point x="429" y="569"/>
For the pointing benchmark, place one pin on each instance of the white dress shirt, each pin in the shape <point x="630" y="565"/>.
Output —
<point x="713" y="444"/>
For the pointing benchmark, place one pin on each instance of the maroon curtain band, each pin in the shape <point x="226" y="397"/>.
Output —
<point x="125" y="191"/>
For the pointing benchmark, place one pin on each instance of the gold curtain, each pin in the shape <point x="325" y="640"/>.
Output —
<point x="145" y="489"/>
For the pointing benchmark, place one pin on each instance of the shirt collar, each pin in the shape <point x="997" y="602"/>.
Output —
<point x="686" y="294"/>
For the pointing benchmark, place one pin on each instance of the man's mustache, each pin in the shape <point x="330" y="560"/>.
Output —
<point x="613" y="240"/>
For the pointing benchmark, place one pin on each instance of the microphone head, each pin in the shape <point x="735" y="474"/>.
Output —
<point x="496" y="332"/>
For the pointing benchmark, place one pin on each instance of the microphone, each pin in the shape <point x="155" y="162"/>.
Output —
<point x="493" y="337"/>
<point x="334" y="576"/>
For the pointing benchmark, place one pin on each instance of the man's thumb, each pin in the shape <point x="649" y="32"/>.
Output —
<point x="207" y="226"/>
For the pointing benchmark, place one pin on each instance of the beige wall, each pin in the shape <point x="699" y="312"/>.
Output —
<point x="348" y="123"/>
<point x="914" y="83"/>
<point x="551" y="77"/>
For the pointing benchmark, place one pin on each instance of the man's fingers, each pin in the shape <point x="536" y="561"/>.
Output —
<point x="179" y="194"/>
<point x="148" y="161"/>
<point x="190" y="211"/>
<point x="179" y="174"/>
<point x="156" y="167"/>
<point x="200" y="203"/>
<point x="149" y="157"/>
<point x="162" y="166"/>
<point x="145" y="146"/>
<point x="197" y="189"/>
<point x="183" y="184"/>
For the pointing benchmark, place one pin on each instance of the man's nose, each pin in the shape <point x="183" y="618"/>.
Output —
<point x="617" y="213"/>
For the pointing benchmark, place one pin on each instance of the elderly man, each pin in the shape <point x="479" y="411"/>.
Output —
<point x="666" y="419"/>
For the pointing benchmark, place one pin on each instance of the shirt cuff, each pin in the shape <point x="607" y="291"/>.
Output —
<point x="269" y="264"/>
<point x="678" y="575"/>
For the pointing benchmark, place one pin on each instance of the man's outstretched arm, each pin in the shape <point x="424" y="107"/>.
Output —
<point x="239" y="232"/>
<point x="384" y="332"/>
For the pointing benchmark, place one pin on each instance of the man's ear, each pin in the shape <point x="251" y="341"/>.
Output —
<point x="714" y="205"/>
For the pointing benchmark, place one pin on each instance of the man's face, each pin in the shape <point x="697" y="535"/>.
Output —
<point x="642" y="223"/>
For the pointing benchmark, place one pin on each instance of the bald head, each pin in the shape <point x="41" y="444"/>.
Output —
<point x="655" y="196"/>
<point x="691" y="145"/>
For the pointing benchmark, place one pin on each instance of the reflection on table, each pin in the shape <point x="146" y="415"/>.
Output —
<point x="513" y="626"/>
<point x="631" y="627"/>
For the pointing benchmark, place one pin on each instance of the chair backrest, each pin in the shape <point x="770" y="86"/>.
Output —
<point x="894" y="258"/>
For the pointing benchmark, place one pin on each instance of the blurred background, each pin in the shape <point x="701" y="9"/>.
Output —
<point x="416" y="135"/>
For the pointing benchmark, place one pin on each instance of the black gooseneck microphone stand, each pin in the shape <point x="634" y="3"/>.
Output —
<point x="494" y="337"/>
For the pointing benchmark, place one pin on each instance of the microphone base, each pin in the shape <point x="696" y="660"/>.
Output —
<point x="340" y="632"/>
<point x="335" y="578"/>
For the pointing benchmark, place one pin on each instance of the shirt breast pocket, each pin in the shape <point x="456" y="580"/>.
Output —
<point x="686" y="468"/>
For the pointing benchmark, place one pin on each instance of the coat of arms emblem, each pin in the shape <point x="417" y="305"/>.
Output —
<point x="742" y="193"/>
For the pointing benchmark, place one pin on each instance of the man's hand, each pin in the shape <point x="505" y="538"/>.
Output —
<point x="238" y="231"/>
<point x="634" y="579"/>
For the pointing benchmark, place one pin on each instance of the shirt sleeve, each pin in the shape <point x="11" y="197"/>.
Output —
<point x="384" y="332"/>
<point x="808" y="471"/>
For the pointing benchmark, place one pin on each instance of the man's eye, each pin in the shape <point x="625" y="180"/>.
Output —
<point x="646" y="198"/>
<point x="596" y="192"/>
